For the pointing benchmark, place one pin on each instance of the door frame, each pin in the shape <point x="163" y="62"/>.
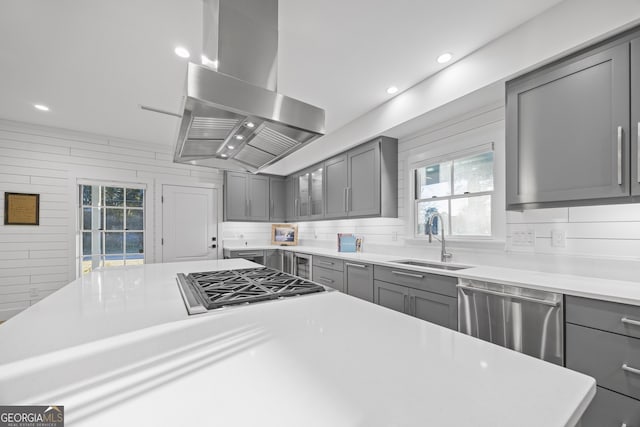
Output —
<point x="157" y="204"/>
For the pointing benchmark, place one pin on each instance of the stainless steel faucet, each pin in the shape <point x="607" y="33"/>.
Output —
<point x="444" y="255"/>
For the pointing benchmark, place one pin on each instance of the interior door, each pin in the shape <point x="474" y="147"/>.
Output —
<point x="189" y="223"/>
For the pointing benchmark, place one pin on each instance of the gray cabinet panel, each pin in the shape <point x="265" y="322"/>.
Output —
<point x="603" y="315"/>
<point x="316" y="190"/>
<point x="235" y="200"/>
<point x="277" y="204"/>
<point x="258" y="200"/>
<point x="330" y="263"/>
<point x="358" y="280"/>
<point x="273" y="259"/>
<point x="635" y="119"/>
<point x="562" y="131"/>
<point x="302" y="195"/>
<point x="434" y="308"/>
<point x="328" y="277"/>
<point x="444" y="285"/>
<point x="290" y="199"/>
<point x="610" y="409"/>
<point x="602" y="355"/>
<point x="336" y="183"/>
<point x="363" y="193"/>
<point x="392" y="296"/>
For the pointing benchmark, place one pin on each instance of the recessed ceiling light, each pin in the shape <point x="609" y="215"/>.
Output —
<point x="223" y="155"/>
<point x="41" y="107"/>
<point x="230" y="147"/>
<point x="181" y="52"/>
<point x="239" y="137"/>
<point x="445" y="57"/>
<point x="391" y="90"/>
<point x="250" y="125"/>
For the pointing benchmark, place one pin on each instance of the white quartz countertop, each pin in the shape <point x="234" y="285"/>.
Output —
<point x="117" y="347"/>
<point x="623" y="291"/>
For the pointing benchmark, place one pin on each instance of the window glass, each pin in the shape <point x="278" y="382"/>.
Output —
<point x="115" y="219"/>
<point x="135" y="197"/>
<point x="473" y="174"/>
<point x="425" y="210"/>
<point x="471" y="216"/>
<point x="135" y="243"/>
<point x="135" y="219"/>
<point x="113" y="196"/>
<point x="113" y="243"/>
<point x="433" y="181"/>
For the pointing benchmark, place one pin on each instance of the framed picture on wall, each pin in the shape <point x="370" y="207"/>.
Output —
<point x="21" y="209"/>
<point x="284" y="234"/>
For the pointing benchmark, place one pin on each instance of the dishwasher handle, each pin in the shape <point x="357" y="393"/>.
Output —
<point x="507" y="295"/>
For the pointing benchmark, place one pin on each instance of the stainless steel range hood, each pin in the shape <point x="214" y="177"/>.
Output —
<point x="233" y="117"/>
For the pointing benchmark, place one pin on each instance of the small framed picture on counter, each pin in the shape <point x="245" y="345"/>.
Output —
<point x="284" y="234"/>
<point x="21" y="209"/>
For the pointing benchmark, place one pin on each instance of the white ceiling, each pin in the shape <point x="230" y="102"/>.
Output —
<point x="93" y="62"/>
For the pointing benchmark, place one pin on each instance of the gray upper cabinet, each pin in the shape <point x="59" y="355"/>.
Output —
<point x="277" y="192"/>
<point x="635" y="119"/>
<point x="235" y="196"/>
<point x="567" y="132"/>
<point x="363" y="192"/>
<point x="308" y="202"/>
<point x="246" y="197"/>
<point x="290" y="199"/>
<point x="335" y="182"/>
<point x="358" y="280"/>
<point x="363" y="182"/>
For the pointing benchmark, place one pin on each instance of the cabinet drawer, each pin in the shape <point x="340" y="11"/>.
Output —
<point x="602" y="355"/>
<point x="604" y="315"/>
<point x="332" y="278"/>
<point x="326" y="262"/>
<point x="443" y="285"/>
<point x="248" y="254"/>
<point x="609" y="409"/>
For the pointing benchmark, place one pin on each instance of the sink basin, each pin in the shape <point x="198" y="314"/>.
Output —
<point x="429" y="264"/>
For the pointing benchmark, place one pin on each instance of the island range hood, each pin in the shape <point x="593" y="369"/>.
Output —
<point x="233" y="117"/>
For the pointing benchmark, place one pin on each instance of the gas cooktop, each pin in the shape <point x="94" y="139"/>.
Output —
<point x="215" y="289"/>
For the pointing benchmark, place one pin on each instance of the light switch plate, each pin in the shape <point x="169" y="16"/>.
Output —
<point x="558" y="238"/>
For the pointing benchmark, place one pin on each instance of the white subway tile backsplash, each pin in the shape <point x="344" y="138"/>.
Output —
<point x="538" y="215"/>
<point x="605" y="213"/>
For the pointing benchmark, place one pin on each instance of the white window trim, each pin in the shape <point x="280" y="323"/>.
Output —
<point x="468" y="142"/>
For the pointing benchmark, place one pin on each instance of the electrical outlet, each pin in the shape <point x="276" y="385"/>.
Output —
<point x="394" y="236"/>
<point x="523" y="238"/>
<point x="558" y="238"/>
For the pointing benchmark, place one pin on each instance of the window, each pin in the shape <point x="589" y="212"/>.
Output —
<point x="111" y="226"/>
<point x="460" y="189"/>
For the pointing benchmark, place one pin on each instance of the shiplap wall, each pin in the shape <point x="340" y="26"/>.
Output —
<point x="35" y="261"/>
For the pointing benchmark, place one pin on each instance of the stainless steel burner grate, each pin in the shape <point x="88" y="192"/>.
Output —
<point x="215" y="289"/>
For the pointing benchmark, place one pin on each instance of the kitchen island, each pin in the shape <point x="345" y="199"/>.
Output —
<point x="117" y="347"/>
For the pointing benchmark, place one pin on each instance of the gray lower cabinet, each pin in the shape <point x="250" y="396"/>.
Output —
<point x="246" y="197"/>
<point x="567" y="132"/>
<point x="601" y="342"/>
<point x="358" y="280"/>
<point x="277" y="202"/>
<point x="273" y="259"/>
<point x="435" y="308"/>
<point x="611" y="409"/>
<point x="256" y="256"/>
<point x="332" y="278"/>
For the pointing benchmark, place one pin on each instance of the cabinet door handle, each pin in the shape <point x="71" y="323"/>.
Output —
<point x="325" y="279"/>
<point x="630" y="321"/>
<point x="324" y="262"/>
<point x="630" y="369"/>
<point x="349" y="198"/>
<point x="248" y="254"/>
<point x="412" y="305"/>
<point x="405" y="303"/>
<point x="272" y="204"/>
<point x="295" y="207"/>
<point x="246" y="207"/>
<point x="619" y="155"/>
<point x="344" y="199"/>
<point x="310" y="212"/>
<point x="402" y="273"/>
<point x="355" y="265"/>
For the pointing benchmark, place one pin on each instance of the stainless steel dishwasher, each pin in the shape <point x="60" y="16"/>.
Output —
<point x="525" y="320"/>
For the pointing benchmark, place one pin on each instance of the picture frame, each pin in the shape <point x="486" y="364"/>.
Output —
<point x="21" y="209"/>
<point x="284" y="234"/>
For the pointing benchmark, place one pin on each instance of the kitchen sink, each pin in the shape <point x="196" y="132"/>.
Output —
<point x="429" y="264"/>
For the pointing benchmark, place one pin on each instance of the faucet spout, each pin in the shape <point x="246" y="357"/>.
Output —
<point x="444" y="255"/>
